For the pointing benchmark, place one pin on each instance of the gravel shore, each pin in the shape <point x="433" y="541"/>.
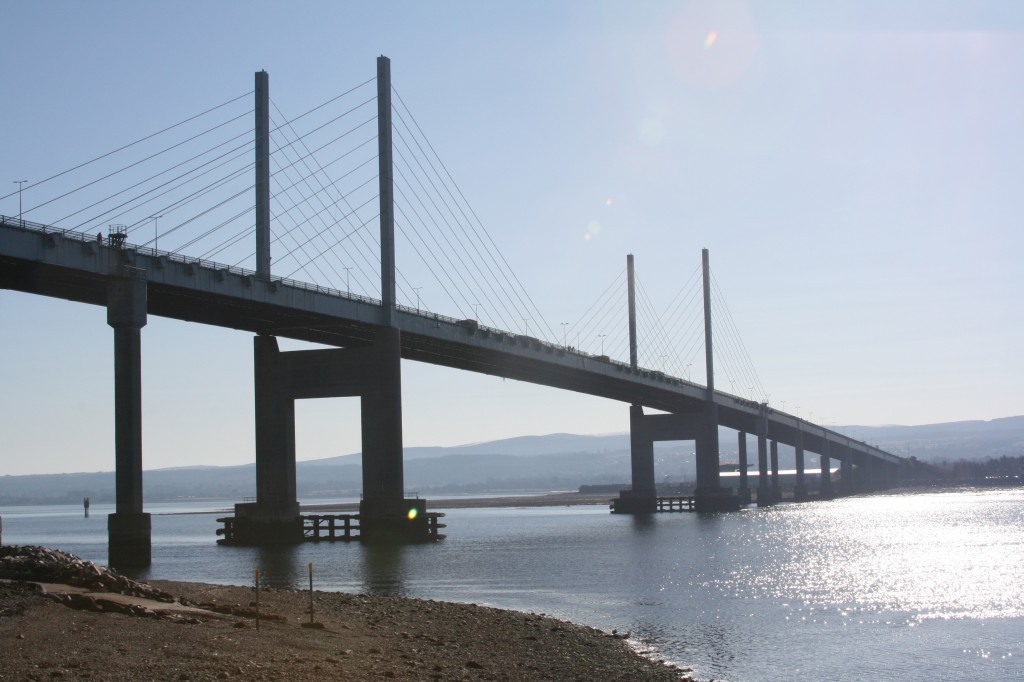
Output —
<point x="61" y="617"/>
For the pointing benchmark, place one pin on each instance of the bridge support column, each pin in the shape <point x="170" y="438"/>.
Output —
<point x="641" y="498"/>
<point x="869" y="473"/>
<point x="825" y="489"/>
<point x="800" y="491"/>
<point x="385" y="515"/>
<point x="847" y="480"/>
<point x="764" y="494"/>
<point x="274" y="517"/>
<point x="744" y="489"/>
<point x="128" y="528"/>
<point x="709" y="495"/>
<point x="776" y="488"/>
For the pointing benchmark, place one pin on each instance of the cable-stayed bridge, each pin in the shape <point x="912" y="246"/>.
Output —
<point x="330" y="201"/>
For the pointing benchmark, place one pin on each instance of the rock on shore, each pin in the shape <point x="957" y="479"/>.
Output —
<point x="208" y="632"/>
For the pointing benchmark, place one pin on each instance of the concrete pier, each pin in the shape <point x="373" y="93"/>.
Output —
<point x="744" y="489"/>
<point x="764" y="492"/>
<point x="128" y="528"/>
<point x="825" y="489"/>
<point x="776" y="488"/>
<point x="800" y="490"/>
<point x="847" y="478"/>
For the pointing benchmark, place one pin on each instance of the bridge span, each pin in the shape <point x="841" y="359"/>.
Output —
<point x="367" y="339"/>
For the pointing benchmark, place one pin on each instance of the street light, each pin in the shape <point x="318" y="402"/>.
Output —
<point x="601" y="336"/>
<point x="526" y="326"/>
<point x="156" y="234"/>
<point x="476" y="311"/>
<point x="565" y="342"/>
<point x="417" y="290"/>
<point x="19" y="183"/>
<point x="348" y="271"/>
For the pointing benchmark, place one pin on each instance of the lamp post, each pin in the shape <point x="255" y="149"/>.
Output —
<point x="565" y="341"/>
<point x="601" y="336"/>
<point x="526" y="326"/>
<point x="156" y="234"/>
<point x="417" y="290"/>
<point x="19" y="183"/>
<point x="476" y="311"/>
<point x="348" y="287"/>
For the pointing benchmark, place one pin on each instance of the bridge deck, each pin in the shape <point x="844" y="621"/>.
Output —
<point x="40" y="260"/>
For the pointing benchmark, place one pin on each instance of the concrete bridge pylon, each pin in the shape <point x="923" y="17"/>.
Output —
<point x="129" y="532"/>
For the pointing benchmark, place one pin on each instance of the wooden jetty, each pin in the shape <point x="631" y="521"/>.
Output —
<point x="329" y="528"/>
<point x="675" y="503"/>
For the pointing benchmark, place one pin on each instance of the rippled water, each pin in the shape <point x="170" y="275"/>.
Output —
<point x="920" y="587"/>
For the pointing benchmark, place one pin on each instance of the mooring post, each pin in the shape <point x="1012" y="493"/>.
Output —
<point x="128" y="528"/>
<point x="262" y="175"/>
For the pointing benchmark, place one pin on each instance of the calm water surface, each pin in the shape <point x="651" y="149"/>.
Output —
<point x="916" y="587"/>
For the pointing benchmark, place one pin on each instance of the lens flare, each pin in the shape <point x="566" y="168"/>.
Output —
<point x="413" y="513"/>
<point x="710" y="40"/>
<point x="608" y="201"/>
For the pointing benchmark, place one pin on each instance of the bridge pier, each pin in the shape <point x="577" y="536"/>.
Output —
<point x="847" y="480"/>
<point x="800" y="490"/>
<point x="709" y="495"/>
<point x="372" y="373"/>
<point x="764" y="494"/>
<point x="641" y="498"/>
<point x="825" y="484"/>
<point x="129" y="533"/>
<point x="744" y="489"/>
<point x="869" y="473"/>
<point x="776" y="488"/>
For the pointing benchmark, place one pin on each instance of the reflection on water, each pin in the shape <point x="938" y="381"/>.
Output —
<point x="280" y="567"/>
<point x="382" y="570"/>
<point x="920" y="586"/>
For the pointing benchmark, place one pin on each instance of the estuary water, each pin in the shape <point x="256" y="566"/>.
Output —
<point x="925" y="586"/>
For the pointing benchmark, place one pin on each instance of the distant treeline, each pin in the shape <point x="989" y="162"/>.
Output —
<point x="994" y="470"/>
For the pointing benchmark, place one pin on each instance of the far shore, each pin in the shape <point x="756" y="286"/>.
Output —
<point x="567" y="499"/>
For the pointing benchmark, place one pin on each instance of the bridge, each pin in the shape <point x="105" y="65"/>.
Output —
<point x="368" y="337"/>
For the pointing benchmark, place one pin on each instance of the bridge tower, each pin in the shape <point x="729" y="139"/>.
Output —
<point x="709" y="494"/>
<point x="641" y="497"/>
<point x="371" y="372"/>
<point x="700" y="426"/>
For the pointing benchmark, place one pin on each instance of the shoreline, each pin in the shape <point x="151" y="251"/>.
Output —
<point x="100" y="625"/>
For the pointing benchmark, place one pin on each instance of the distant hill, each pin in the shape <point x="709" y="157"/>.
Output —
<point x="560" y="461"/>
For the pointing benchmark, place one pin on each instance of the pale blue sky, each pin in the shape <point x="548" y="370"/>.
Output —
<point x="852" y="166"/>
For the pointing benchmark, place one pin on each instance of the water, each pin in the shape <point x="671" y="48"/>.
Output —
<point x="916" y="587"/>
